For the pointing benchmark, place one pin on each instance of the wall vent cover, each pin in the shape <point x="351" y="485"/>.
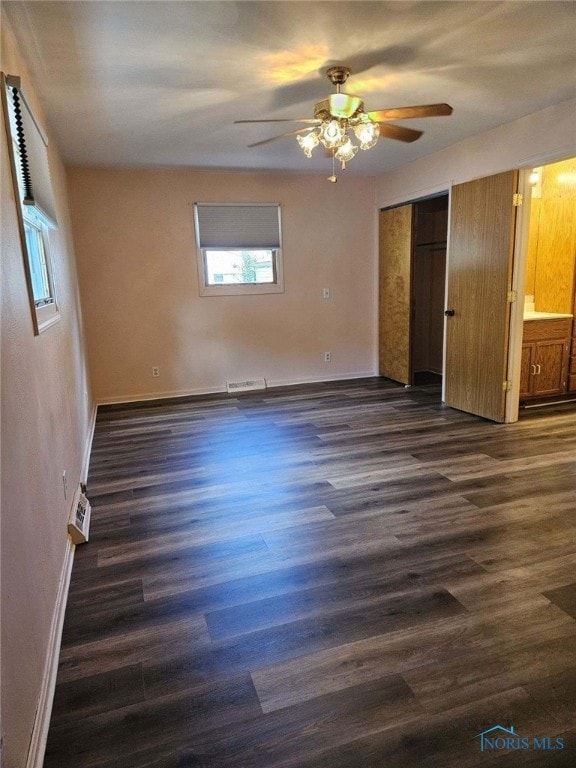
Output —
<point x="79" y="522"/>
<point x="245" y="386"/>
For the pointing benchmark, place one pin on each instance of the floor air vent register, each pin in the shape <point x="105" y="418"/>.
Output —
<point x="79" y="522"/>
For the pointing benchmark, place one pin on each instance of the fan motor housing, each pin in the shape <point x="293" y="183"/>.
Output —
<point x="342" y="106"/>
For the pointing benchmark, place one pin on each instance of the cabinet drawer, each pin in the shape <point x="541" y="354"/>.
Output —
<point x="536" y="330"/>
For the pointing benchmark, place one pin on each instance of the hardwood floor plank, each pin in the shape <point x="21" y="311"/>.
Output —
<point x="469" y="636"/>
<point x="437" y="741"/>
<point x="291" y="736"/>
<point x="168" y="640"/>
<point x="470" y="465"/>
<point x="444" y="686"/>
<point x="555" y="692"/>
<point x="504" y="466"/>
<point x="205" y="553"/>
<point x="199" y="531"/>
<point x="298" y="638"/>
<point x="93" y="694"/>
<point x="335" y="601"/>
<point x="564" y="597"/>
<point x="116" y="735"/>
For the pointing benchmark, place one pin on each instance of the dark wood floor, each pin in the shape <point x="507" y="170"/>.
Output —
<point x="345" y="575"/>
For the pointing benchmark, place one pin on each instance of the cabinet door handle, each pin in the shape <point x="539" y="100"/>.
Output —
<point x="538" y="371"/>
<point x="533" y="370"/>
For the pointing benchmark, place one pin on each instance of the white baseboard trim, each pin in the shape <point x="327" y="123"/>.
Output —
<point x="320" y="379"/>
<point x="143" y="397"/>
<point x="45" y="699"/>
<point x="219" y="389"/>
<point x="88" y="445"/>
<point x="44" y="708"/>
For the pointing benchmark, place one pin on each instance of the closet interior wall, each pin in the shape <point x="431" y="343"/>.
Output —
<point x="428" y="284"/>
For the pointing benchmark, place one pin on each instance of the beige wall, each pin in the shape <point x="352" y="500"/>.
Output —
<point x="135" y="245"/>
<point x="45" y="423"/>
<point x="533" y="140"/>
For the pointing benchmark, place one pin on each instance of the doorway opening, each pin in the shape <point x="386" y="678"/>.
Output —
<point x="430" y="229"/>
<point x="548" y="361"/>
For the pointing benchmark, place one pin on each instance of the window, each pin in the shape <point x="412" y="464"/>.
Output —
<point x="37" y="246"/>
<point x="33" y="190"/>
<point x="255" y="267"/>
<point x="40" y="275"/>
<point x="238" y="248"/>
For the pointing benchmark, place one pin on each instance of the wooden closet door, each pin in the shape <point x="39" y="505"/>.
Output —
<point x="480" y="252"/>
<point x="395" y="269"/>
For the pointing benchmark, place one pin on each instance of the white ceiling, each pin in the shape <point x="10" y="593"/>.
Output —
<point x="160" y="83"/>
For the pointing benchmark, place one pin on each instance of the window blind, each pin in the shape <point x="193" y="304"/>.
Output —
<point x="237" y="225"/>
<point x="34" y="179"/>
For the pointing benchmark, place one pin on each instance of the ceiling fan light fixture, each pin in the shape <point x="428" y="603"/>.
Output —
<point x="332" y="133"/>
<point x="367" y="133"/>
<point x="346" y="151"/>
<point x="308" y="142"/>
<point x="341" y="114"/>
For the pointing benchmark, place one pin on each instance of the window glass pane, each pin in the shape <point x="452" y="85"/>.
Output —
<point x="37" y="261"/>
<point x="240" y="267"/>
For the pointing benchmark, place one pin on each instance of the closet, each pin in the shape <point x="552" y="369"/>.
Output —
<point x="428" y="287"/>
<point x="412" y="280"/>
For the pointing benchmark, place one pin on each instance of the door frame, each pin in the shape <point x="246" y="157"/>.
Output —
<point x="433" y="193"/>
<point x="519" y="265"/>
<point x="520" y="262"/>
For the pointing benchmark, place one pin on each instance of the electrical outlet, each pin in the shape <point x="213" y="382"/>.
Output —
<point x="155" y="371"/>
<point x="65" y="484"/>
<point x="325" y="293"/>
<point x="327" y="357"/>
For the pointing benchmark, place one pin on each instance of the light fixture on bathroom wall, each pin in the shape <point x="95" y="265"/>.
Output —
<point x="535" y="181"/>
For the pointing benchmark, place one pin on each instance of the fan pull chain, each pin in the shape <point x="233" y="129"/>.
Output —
<point x="333" y="178"/>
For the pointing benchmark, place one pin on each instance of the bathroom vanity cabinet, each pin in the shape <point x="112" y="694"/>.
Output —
<point x="572" y="372"/>
<point x="545" y="356"/>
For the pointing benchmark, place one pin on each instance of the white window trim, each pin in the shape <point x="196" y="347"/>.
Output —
<point x="46" y="314"/>
<point x="239" y="289"/>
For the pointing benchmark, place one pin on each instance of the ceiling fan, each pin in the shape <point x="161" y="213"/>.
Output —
<point x="341" y="116"/>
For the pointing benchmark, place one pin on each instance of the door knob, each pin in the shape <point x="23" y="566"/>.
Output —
<point x="449" y="312"/>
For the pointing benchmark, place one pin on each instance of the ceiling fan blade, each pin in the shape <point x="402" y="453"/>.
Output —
<point x="405" y="113"/>
<point x="275" y="138"/>
<point x="310" y="120"/>
<point x="398" y="132"/>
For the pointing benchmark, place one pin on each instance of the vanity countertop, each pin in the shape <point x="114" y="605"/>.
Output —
<point x="531" y="315"/>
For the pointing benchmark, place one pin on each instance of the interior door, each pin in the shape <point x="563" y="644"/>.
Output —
<point x="480" y="252"/>
<point x="395" y="269"/>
